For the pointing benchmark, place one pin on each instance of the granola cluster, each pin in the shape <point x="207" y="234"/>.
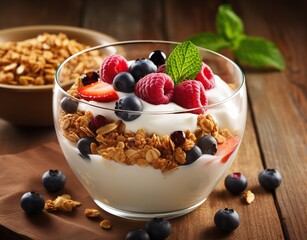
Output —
<point x="61" y="203"/>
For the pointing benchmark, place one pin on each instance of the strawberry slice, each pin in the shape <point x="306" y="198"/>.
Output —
<point x="226" y="148"/>
<point x="98" y="91"/>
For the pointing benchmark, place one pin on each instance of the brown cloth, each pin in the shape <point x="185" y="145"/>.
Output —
<point x="20" y="173"/>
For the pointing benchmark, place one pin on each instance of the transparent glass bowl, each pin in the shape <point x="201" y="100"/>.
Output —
<point x="141" y="192"/>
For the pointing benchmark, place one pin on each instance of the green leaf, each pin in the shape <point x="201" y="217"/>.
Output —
<point x="259" y="52"/>
<point x="228" y="24"/>
<point x="210" y="41"/>
<point x="184" y="62"/>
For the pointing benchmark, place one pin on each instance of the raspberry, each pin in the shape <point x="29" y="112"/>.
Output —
<point x="111" y="66"/>
<point x="206" y="77"/>
<point x="190" y="94"/>
<point x="155" y="88"/>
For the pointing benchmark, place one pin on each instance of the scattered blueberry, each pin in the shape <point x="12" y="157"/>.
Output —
<point x="97" y="122"/>
<point x="158" y="228"/>
<point x="235" y="183"/>
<point x="178" y="137"/>
<point x="89" y="78"/>
<point x="124" y="82"/>
<point x="84" y="146"/>
<point x="270" y="179"/>
<point x="32" y="203"/>
<point x="226" y="219"/>
<point x="141" y="67"/>
<point x="130" y="102"/>
<point x="208" y="145"/>
<point x="192" y="155"/>
<point x="139" y="234"/>
<point x="68" y="105"/>
<point x="54" y="180"/>
<point x="157" y="57"/>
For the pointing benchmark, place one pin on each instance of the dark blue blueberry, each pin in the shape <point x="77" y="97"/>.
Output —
<point x="124" y="82"/>
<point x="130" y="102"/>
<point x="84" y="146"/>
<point x="192" y="155"/>
<point x="89" y="78"/>
<point x="157" y="57"/>
<point x="139" y="234"/>
<point x="32" y="203"/>
<point x="208" y="145"/>
<point x="54" y="180"/>
<point x="141" y="67"/>
<point x="178" y="137"/>
<point x="226" y="220"/>
<point x="235" y="183"/>
<point x="158" y="228"/>
<point x="69" y="105"/>
<point x="270" y="179"/>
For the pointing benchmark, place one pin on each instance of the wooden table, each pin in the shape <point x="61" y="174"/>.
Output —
<point x="275" y="135"/>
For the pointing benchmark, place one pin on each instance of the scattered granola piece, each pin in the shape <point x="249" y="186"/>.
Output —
<point x="248" y="196"/>
<point x="91" y="212"/>
<point x="63" y="203"/>
<point x="105" y="224"/>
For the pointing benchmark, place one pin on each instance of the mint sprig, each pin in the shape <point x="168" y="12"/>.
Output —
<point x="184" y="62"/>
<point x="249" y="51"/>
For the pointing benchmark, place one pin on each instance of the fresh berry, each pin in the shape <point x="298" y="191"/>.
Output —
<point x="54" y="180"/>
<point x="157" y="57"/>
<point x="226" y="148"/>
<point x="32" y="203"/>
<point x="161" y="69"/>
<point x="97" y="122"/>
<point x="141" y="67"/>
<point x="178" y="137"/>
<point x="155" y="88"/>
<point x="235" y="183"/>
<point x="98" y="91"/>
<point x="68" y="105"/>
<point x="89" y="78"/>
<point x="124" y="82"/>
<point x="192" y="155"/>
<point x="226" y="220"/>
<point x="270" y="179"/>
<point x="111" y="66"/>
<point x="207" y="144"/>
<point x="130" y="102"/>
<point x="158" y="228"/>
<point x="139" y="234"/>
<point x="206" y="77"/>
<point x="84" y="146"/>
<point x="190" y="94"/>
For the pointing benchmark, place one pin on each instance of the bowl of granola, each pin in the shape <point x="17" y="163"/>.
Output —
<point x="152" y="126"/>
<point x="29" y="58"/>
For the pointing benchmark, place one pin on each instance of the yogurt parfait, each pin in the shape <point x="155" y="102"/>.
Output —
<point x="151" y="127"/>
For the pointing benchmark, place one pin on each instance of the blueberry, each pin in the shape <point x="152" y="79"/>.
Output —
<point x="269" y="179"/>
<point x="124" y="82"/>
<point x="32" y="203"/>
<point x="178" y="137"/>
<point x="54" y="180"/>
<point x="226" y="220"/>
<point x="235" y="183"/>
<point x="84" y="146"/>
<point x="139" y="234"/>
<point x="130" y="102"/>
<point x="158" y="228"/>
<point x="157" y="57"/>
<point x="208" y="145"/>
<point x="89" y="78"/>
<point x="192" y="155"/>
<point x="69" y="105"/>
<point x="97" y="122"/>
<point x="141" y="67"/>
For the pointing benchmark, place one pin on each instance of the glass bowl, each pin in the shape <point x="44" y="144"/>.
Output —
<point x="137" y="169"/>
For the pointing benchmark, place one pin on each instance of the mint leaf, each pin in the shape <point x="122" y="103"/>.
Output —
<point x="210" y="41"/>
<point x="259" y="52"/>
<point x="228" y="24"/>
<point x="184" y="62"/>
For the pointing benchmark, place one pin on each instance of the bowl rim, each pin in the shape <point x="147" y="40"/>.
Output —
<point x="105" y="39"/>
<point x="119" y="43"/>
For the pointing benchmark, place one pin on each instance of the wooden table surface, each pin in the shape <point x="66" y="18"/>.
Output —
<point x="275" y="135"/>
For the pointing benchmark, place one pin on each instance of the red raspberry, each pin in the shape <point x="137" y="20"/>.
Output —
<point x="206" y="77"/>
<point x="191" y="94"/>
<point x="155" y="88"/>
<point x="111" y="66"/>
